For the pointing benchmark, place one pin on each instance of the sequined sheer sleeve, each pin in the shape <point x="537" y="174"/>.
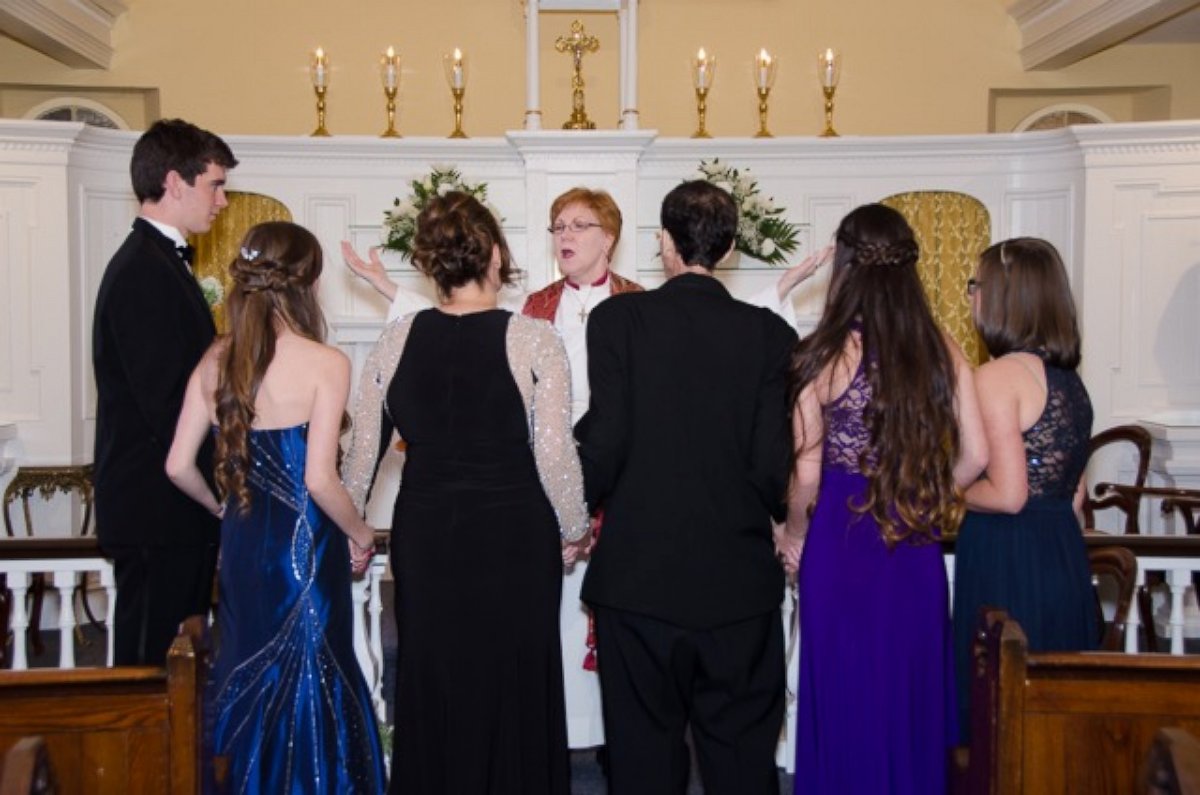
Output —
<point x="539" y="364"/>
<point x="370" y="429"/>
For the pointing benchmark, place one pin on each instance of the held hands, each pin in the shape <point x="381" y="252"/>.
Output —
<point x="799" y="272"/>
<point x="361" y="554"/>
<point x="788" y="548"/>
<point x="371" y="269"/>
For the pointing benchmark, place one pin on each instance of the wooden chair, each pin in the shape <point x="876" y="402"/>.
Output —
<point x="46" y="481"/>
<point x="1172" y="766"/>
<point x="1055" y="723"/>
<point x="131" y="730"/>
<point x="1120" y="565"/>
<point x="26" y="769"/>
<point x="1124" y="497"/>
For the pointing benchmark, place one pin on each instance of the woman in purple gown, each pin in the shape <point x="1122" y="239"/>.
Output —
<point x="887" y="433"/>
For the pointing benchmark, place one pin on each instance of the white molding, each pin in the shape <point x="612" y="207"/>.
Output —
<point x="77" y="33"/>
<point x="1058" y="33"/>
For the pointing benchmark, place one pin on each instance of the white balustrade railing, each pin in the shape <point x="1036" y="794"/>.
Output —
<point x="63" y="575"/>
<point x="21" y="559"/>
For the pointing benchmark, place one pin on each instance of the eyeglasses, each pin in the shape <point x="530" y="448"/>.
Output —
<point x="973" y="286"/>
<point x="578" y="227"/>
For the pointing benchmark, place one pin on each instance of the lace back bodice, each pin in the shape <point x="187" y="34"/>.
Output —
<point x="1056" y="446"/>
<point x="846" y="434"/>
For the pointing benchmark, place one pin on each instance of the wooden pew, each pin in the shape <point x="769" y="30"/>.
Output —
<point x="124" y="731"/>
<point x="1058" y="723"/>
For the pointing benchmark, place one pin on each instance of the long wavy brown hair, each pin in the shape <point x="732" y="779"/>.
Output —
<point x="273" y="284"/>
<point x="914" y="440"/>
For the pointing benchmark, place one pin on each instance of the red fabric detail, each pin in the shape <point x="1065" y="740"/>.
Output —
<point x="596" y="283"/>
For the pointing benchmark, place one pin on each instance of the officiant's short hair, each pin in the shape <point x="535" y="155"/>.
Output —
<point x="174" y="145"/>
<point x="702" y="220"/>
<point x="598" y="201"/>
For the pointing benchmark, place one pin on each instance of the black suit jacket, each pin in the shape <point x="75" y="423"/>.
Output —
<point x="150" y="329"/>
<point x="686" y="446"/>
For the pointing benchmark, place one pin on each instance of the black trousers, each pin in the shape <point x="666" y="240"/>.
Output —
<point x="657" y="679"/>
<point x="157" y="588"/>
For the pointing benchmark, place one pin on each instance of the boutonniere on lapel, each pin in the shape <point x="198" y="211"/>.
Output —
<point x="214" y="291"/>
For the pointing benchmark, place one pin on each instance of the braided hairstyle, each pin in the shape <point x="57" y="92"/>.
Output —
<point x="914" y="439"/>
<point x="273" y="285"/>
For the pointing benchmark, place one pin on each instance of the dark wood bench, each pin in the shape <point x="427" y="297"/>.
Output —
<point x="127" y="730"/>
<point x="1059" y="723"/>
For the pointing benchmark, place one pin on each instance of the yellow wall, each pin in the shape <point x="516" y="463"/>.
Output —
<point x="914" y="67"/>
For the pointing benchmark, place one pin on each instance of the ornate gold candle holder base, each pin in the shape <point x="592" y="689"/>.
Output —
<point x="701" y="113"/>
<point x="391" y="131"/>
<point x="763" y="132"/>
<point x="829" y="132"/>
<point x="458" y="113"/>
<point x="320" y="132"/>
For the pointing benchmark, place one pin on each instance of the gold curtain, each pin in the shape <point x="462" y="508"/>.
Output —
<point x="952" y="230"/>
<point x="216" y="248"/>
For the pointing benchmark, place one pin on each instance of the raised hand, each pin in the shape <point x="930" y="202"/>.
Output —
<point x="371" y="269"/>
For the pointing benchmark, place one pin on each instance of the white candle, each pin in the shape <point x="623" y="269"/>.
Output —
<point x="829" y="72"/>
<point x="320" y="66"/>
<point x="703" y="69"/>
<point x="391" y="63"/>
<point x="764" y="69"/>
<point x="456" y="71"/>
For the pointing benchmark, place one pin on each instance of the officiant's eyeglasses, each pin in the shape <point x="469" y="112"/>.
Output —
<point x="578" y="227"/>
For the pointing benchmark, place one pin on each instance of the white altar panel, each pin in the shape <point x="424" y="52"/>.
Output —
<point x="1122" y="202"/>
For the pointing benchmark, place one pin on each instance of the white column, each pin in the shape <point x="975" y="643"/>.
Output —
<point x="64" y="581"/>
<point x="533" y="110"/>
<point x="18" y="584"/>
<point x="629" y="59"/>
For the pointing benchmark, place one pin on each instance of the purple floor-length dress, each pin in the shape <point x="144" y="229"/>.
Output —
<point x="876" y="696"/>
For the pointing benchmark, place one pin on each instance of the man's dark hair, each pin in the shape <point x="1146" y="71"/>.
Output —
<point x="702" y="220"/>
<point x="174" y="145"/>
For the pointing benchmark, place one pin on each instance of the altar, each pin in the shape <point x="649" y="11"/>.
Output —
<point x="1120" y="201"/>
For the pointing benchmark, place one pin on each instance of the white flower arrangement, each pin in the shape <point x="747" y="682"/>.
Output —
<point x="762" y="230"/>
<point x="214" y="291"/>
<point x="400" y="223"/>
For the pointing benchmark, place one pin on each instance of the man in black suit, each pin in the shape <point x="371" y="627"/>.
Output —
<point x="150" y="328"/>
<point x="686" y="446"/>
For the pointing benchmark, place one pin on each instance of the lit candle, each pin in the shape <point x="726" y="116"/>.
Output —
<point x="457" y="78"/>
<point x="391" y="68"/>
<point x="704" y="69"/>
<point x="829" y="68"/>
<point x="765" y="72"/>
<point x="320" y="69"/>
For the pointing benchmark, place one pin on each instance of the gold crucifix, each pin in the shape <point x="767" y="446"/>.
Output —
<point x="577" y="44"/>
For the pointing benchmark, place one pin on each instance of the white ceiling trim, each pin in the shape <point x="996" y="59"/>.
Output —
<point x="1058" y="33"/>
<point x="74" y="32"/>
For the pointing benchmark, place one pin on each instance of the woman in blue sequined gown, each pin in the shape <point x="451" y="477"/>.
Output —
<point x="288" y="707"/>
<point x="1021" y="548"/>
<point x="887" y="430"/>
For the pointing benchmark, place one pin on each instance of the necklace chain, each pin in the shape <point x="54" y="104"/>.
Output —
<point x="582" y="298"/>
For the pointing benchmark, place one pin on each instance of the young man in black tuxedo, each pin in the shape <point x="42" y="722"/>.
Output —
<point x="150" y="328"/>
<point x="686" y="446"/>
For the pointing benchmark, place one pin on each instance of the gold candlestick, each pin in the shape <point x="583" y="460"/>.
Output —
<point x="704" y="69"/>
<point x="577" y="44"/>
<point x="456" y="76"/>
<point x="701" y="113"/>
<point x="389" y="74"/>
<point x="319" y="71"/>
<point x="764" y="80"/>
<point x="763" y="132"/>
<point x="829" y="132"/>
<point x="458" y="113"/>
<point x="829" y="70"/>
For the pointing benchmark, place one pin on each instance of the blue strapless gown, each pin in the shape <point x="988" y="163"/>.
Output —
<point x="290" y="708"/>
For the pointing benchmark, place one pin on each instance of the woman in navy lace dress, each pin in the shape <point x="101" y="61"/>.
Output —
<point x="1020" y="547"/>
<point x="887" y="430"/>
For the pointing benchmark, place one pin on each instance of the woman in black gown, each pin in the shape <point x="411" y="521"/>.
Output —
<point x="489" y="509"/>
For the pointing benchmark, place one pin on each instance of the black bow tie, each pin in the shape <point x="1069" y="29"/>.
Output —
<point x="186" y="253"/>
